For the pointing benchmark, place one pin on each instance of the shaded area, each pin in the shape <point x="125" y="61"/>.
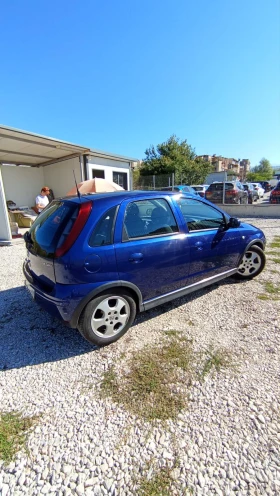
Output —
<point x="30" y="336"/>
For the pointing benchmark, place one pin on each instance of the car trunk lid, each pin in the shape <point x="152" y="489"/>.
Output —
<point x="51" y="236"/>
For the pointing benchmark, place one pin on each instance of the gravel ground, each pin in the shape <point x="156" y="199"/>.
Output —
<point x="226" y="441"/>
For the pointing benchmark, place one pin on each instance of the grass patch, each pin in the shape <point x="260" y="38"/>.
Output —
<point x="276" y="260"/>
<point x="217" y="360"/>
<point x="271" y="288"/>
<point x="161" y="481"/>
<point x="263" y="297"/>
<point x="275" y="243"/>
<point x="272" y="291"/>
<point x="159" y="485"/>
<point x="13" y="434"/>
<point x="272" y="252"/>
<point x="149" y="387"/>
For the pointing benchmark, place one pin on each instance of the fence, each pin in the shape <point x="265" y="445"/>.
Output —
<point x="154" y="182"/>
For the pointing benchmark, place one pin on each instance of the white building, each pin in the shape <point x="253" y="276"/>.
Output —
<point x="29" y="161"/>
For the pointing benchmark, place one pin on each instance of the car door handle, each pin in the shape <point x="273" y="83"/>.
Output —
<point x="136" y="257"/>
<point x="199" y="245"/>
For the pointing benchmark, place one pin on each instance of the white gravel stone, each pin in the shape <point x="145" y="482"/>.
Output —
<point x="226" y="441"/>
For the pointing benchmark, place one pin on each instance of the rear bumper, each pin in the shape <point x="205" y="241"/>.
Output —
<point x="64" y="300"/>
<point x="61" y="303"/>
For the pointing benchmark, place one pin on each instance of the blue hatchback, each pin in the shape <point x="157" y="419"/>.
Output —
<point x="97" y="260"/>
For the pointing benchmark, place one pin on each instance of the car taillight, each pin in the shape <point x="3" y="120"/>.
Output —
<point x="82" y="217"/>
<point x="232" y="192"/>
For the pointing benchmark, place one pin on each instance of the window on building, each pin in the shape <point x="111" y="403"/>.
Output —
<point x="120" y="178"/>
<point x="98" y="173"/>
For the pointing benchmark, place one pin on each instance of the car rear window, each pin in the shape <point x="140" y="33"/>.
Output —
<point x="219" y="186"/>
<point x="51" y="227"/>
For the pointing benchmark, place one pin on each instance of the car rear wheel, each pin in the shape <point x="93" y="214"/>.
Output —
<point x="251" y="264"/>
<point x="106" y="318"/>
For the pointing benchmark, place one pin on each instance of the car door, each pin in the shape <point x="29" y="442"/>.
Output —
<point x="151" y="250"/>
<point x="214" y="248"/>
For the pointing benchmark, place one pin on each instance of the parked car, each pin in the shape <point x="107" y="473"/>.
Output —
<point x="266" y="186"/>
<point x="181" y="188"/>
<point x="200" y="189"/>
<point x="97" y="260"/>
<point x="233" y="192"/>
<point x="274" y="196"/>
<point x="260" y="190"/>
<point x="252" y="192"/>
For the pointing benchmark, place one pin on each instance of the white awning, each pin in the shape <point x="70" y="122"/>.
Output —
<point x="24" y="148"/>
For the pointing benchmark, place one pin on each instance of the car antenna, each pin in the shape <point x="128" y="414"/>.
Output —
<point x="78" y="192"/>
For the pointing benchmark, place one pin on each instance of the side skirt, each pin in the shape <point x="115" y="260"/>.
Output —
<point x="159" y="300"/>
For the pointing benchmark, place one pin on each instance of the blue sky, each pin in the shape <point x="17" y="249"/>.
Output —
<point x="120" y="75"/>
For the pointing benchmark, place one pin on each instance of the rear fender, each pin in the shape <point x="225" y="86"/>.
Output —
<point x="131" y="288"/>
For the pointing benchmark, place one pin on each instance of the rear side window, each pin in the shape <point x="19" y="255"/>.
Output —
<point x="199" y="216"/>
<point x="51" y="227"/>
<point x="104" y="231"/>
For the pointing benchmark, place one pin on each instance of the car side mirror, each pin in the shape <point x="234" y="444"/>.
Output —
<point x="233" y="222"/>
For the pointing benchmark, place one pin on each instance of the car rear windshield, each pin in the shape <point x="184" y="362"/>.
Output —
<point x="198" y="188"/>
<point x="219" y="186"/>
<point x="52" y="227"/>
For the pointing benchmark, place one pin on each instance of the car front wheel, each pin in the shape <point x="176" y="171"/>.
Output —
<point x="251" y="264"/>
<point x="106" y="318"/>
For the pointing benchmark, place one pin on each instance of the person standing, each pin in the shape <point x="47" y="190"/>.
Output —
<point x="42" y="200"/>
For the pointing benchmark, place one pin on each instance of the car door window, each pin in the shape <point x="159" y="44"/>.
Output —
<point x="148" y="218"/>
<point x="199" y="216"/>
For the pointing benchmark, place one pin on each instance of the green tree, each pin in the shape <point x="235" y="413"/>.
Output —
<point x="175" y="156"/>
<point x="262" y="172"/>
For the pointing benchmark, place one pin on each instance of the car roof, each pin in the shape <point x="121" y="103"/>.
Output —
<point x="124" y="195"/>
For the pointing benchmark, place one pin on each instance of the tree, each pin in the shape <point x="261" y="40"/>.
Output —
<point x="175" y="156"/>
<point x="262" y="172"/>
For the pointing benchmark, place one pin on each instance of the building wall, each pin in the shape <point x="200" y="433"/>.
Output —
<point x="108" y="166"/>
<point x="5" y="231"/>
<point x="59" y="176"/>
<point x="22" y="184"/>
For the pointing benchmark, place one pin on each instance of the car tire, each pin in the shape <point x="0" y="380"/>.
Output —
<point x="107" y="317"/>
<point x="251" y="264"/>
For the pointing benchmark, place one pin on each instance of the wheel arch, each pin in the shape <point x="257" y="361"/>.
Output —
<point x="255" y="242"/>
<point x="130" y="288"/>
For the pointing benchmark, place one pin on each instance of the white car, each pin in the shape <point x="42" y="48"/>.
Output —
<point x="200" y="189"/>
<point x="259" y="188"/>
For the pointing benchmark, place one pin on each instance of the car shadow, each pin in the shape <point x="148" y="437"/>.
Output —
<point x="30" y="336"/>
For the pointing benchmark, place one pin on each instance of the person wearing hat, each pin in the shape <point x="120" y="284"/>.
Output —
<point x="42" y="200"/>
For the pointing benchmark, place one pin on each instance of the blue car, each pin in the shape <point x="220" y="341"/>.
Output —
<point x="95" y="261"/>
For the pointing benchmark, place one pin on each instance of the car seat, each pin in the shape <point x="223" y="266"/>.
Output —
<point x="160" y="221"/>
<point x="134" y="225"/>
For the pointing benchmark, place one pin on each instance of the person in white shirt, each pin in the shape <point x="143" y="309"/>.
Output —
<point x="42" y="200"/>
